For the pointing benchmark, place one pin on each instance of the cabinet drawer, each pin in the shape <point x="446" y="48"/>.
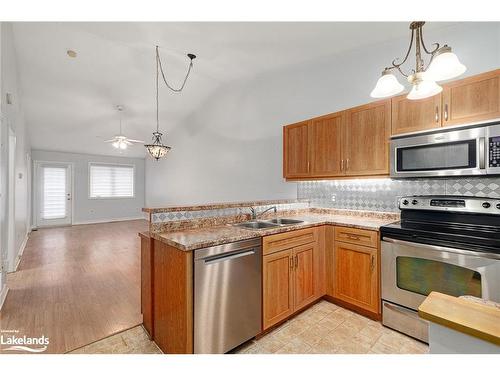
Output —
<point x="283" y="241"/>
<point x="356" y="236"/>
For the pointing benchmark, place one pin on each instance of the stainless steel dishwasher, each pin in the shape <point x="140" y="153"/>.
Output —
<point x="227" y="295"/>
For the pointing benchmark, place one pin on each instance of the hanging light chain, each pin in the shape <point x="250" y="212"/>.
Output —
<point x="191" y="56"/>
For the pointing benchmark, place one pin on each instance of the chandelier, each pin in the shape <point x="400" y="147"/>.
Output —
<point x="157" y="149"/>
<point x="443" y="64"/>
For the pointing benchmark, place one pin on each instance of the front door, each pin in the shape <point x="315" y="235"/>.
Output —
<point x="54" y="194"/>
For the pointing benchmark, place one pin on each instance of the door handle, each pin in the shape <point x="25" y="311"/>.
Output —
<point x="222" y="258"/>
<point x="482" y="155"/>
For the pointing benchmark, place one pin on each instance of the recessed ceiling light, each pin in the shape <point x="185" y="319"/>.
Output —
<point x="71" y="53"/>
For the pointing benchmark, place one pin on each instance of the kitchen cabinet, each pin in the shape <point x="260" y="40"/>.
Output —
<point x="277" y="274"/>
<point x="147" y="282"/>
<point x="291" y="264"/>
<point x="296" y="153"/>
<point x="326" y="145"/>
<point x="367" y="133"/>
<point x="472" y="99"/>
<point x="356" y="275"/>
<point x="415" y="115"/>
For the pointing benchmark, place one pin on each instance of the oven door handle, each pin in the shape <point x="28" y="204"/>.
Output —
<point x="442" y="248"/>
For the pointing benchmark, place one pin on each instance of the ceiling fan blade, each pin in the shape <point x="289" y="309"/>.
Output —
<point x="109" y="140"/>
<point x="135" y="141"/>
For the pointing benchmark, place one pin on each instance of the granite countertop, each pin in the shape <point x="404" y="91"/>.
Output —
<point x="191" y="239"/>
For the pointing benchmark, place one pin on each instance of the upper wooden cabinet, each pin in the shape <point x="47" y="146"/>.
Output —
<point x="472" y="99"/>
<point x="367" y="133"/>
<point x="326" y="144"/>
<point x="415" y="115"/>
<point x="296" y="162"/>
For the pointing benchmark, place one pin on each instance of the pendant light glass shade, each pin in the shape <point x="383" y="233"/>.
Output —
<point x="445" y="65"/>
<point x="386" y="86"/>
<point x="157" y="149"/>
<point x="423" y="87"/>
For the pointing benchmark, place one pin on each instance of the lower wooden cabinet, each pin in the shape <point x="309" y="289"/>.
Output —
<point x="289" y="280"/>
<point x="147" y="282"/>
<point x="356" y="278"/>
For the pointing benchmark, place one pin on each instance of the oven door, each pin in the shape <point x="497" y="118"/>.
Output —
<point x="410" y="271"/>
<point x="451" y="153"/>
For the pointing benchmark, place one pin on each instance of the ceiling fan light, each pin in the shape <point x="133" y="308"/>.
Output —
<point x="116" y="144"/>
<point x="423" y="89"/>
<point x="387" y="85"/>
<point x="123" y="146"/>
<point x="445" y="65"/>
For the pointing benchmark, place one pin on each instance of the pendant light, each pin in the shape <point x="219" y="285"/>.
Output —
<point x="443" y="65"/>
<point x="157" y="149"/>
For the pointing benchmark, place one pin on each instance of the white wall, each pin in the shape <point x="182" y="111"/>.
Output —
<point x="231" y="147"/>
<point x="87" y="210"/>
<point x="13" y="117"/>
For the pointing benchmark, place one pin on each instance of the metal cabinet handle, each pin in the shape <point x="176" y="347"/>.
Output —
<point x="346" y="164"/>
<point x="291" y="263"/>
<point x="296" y="261"/>
<point x="446" y="112"/>
<point x="437" y="114"/>
<point x="372" y="263"/>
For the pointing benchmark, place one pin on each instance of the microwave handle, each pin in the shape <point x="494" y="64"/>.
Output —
<point x="482" y="153"/>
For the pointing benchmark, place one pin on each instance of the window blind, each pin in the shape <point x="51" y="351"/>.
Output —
<point x="111" y="181"/>
<point x="54" y="193"/>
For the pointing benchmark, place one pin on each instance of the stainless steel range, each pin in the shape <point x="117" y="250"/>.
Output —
<point x="449" y="244"/>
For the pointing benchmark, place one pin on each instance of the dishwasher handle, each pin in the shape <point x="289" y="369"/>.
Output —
<point x="228" y="256"/>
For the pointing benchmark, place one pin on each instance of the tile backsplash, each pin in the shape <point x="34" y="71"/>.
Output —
<point x="382" y="194"/>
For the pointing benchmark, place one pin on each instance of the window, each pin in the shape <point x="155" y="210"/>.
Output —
<point x="111" y="181"/>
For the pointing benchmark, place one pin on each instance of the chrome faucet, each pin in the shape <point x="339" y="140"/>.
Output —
<point x="253" y="211"/>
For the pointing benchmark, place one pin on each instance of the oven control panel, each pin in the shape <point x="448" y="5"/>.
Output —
<point x="450" y="203"/>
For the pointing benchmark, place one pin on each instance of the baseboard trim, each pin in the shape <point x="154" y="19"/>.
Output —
<point x="3" y="295"/>
<point x="102" y="221"/>
<point x="21" y="251"/>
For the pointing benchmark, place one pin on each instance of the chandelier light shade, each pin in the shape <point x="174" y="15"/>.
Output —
<point x="157" y="149"/>
<point x="423" y="87"/>
<point x="443" y="64"/>
<point x="387" y="85"/>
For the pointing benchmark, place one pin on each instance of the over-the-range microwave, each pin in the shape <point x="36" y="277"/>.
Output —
<point x="466" y="150"/>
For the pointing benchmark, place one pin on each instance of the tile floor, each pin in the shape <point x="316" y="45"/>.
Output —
<point x="326" y="328"/>
<point x="322" y="329"/>
<point x="131" y="341"/>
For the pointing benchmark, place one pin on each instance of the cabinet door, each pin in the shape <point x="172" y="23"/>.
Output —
<point x="415" y="115"/>
<point x="356" y="275"/>
<point x="277" y="283"/>
<point x="367" y="139"/>
<point x="146" y="284"/>
<point x="304" y="264"/>
<point x="296" y="150"/>
<point x="472" y="99"/>
<point x="326" y="145"/>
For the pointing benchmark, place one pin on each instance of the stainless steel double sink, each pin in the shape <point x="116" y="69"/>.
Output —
<point x="266" y="224"/>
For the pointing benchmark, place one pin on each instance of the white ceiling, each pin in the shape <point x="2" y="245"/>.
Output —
<point x="70" y="103"/>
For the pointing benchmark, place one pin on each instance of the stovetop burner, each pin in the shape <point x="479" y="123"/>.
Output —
<point x="461" y="222"/>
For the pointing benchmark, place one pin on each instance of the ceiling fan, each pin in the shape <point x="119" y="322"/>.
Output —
<point x="120" y="141"/>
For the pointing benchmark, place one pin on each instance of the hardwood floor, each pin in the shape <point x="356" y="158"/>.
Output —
<point x="76" y="285"/>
